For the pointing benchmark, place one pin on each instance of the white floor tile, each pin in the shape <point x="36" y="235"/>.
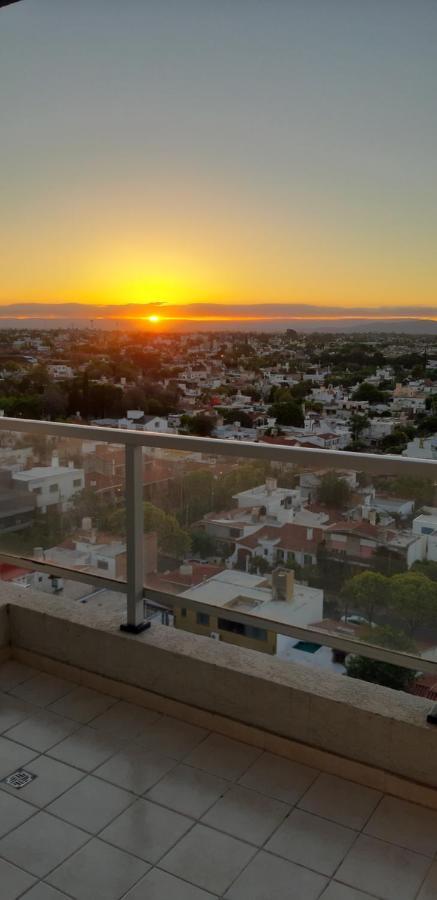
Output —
<point x="158" y="885"/>
<point x="42" y="689"/>
<point x="13" y="756"/>
<point x="135" y="769"/>
<point x="13" y="881"/>
<point x="13" y="812"/>
<point x="337" y="891"/>
<point x="340" y="800"/>
<point x="125" y="720"/>
<point x="13" y="673"/>
<point x="208" y="859"/>
<point x="312" y="842"/>
<point x="405" y="824"/>
<point x="146" y="830"/>
<point x="268" y="877"/>
<point x="86" y="749"/>
<point x="42" y="730"/>
<point x="246" y="814"/>
<point x="429" y="887"/>
<point x="91" y="804"/>
<point x="43" y="891"/>
<point x="82" y="704"/>
<point x="41" y="843"/>
<point x="13" y="710"/>
<point x="188" y="790"/>
<point x="98" y="872"/>
<point x="53" y="778"/>
<point x="279" y="778"/>
<point x="172" y="737"/>
<point x="383" y="870"/>
<point x="222" y="756"/>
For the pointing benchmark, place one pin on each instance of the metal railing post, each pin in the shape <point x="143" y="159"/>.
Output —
<point x="134" y="540"/>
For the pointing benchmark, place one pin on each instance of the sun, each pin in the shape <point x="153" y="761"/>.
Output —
<point x="154" y="319"/>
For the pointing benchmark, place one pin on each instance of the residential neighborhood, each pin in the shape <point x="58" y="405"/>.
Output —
<point x="219" y="529"/>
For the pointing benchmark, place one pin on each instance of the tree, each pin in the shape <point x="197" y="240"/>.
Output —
<point x="426" y="567"/>
<point x="258" y="565"/>
<point x="413" y="597"/>
<point x="202" y="544"/>
<point x="201" y="425"/>
<point x="358" y="423"/>
<point x="367" y="592"/>
<point x="420" y="489"/>
<point x="378" y="672"/>
<point x="369" y="392"/>
<point x="54" y="401"/>
<point x="288" y="413"/>
<point x="172" y="539"/>
<point x="196" y="495"/>
<point x="333" y="491"/>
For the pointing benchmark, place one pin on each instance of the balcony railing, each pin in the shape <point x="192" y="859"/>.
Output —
<point x="138" y="596"/>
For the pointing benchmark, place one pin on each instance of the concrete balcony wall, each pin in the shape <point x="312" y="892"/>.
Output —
<point x="363" y="732"/>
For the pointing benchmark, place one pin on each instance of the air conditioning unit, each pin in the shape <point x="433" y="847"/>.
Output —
<point x="215" y="635"/>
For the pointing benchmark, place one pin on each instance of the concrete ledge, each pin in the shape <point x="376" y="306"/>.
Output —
<point x="364" y="732"/>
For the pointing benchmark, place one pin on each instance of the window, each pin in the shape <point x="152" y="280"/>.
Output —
<point x="37" y="490"/>
<point x="279" y="554"/>
<point x="307" y="559"/>
<point x="249" y="631"/>
<point x="291" y="556"/>
<point x="102" y="564"/>
<point x="234" y="532"/>
<point x="77" y="482"/>
<point x="202" y="619"/>
<point x="183" y="613"/>
<point x="54" y="488"/>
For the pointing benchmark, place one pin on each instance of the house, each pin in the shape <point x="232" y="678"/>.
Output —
<point x="277" y="598"/>
<point x="289" y="543"/>
<point x="52" y="486"/>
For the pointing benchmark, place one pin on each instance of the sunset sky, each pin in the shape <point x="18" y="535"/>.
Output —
<point x="270" y="154"/>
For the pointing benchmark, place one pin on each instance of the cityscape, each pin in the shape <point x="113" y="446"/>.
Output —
<point x="218" y="450"/>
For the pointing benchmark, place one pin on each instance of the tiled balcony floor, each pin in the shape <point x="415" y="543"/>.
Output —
<point x="128" y="803"/>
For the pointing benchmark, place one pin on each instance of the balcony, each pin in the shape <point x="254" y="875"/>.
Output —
<point x="163" y="762"/>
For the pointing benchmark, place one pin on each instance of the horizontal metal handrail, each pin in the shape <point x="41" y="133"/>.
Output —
<point x="304" y="456"/>
<point x="169" y="601"/>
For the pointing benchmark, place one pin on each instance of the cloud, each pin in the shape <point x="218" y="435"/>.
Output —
<point x="192" y="312"/>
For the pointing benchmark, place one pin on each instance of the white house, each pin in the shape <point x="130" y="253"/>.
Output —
<point x="53" y="486"/>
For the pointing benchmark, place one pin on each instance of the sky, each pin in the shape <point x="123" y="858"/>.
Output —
<point x="207" y="159"/>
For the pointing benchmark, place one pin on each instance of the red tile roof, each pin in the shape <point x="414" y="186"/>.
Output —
<point x="287" y="537"/>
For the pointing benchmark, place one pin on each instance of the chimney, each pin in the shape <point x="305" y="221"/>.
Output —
<point x="283" y="585"/>
<point x="271" y="485"/>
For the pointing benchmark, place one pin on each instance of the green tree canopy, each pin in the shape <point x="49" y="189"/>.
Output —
<point x="378" y="672"/>
<point x="333" y="491"/>
<point x="288" y="413"/>
<point x="413" y="597"/>
<point x="172" y="539"/>
<point x="368" y="592"/>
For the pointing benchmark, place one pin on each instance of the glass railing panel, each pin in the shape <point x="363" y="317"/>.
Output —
<point x="61" y="503"/>
<point x="348" y="553"/>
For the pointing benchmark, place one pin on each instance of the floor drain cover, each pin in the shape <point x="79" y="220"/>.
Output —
<point x="19" y="779"/>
